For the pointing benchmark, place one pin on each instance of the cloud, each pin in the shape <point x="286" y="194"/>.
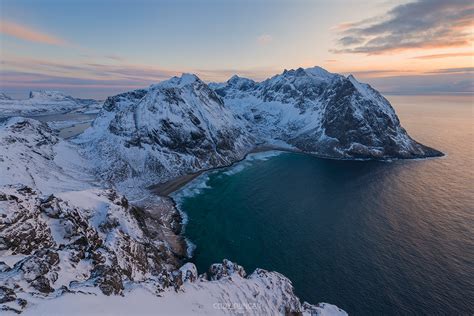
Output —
<point x="446" y="55"/>
<point x="366" y="74"/>
<point x="114" y="57"/>
<point x="448" y="83"/>
<point x="29" y="34"/>
<point x="377" y="73"/>
<point x="264" y="39"/>
<point x="419" y="24"/>
<point x="462" y="70"/>
<point x="23" y="74"/>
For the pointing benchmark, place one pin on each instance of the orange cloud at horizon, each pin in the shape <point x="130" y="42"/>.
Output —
<point x="28" y="34"/>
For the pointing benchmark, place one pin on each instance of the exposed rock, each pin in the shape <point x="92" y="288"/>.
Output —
<point x="66" y="245"/>
<point x="322" y="113"/>
<point x="218" y="271"/>
<point x="6" y="295"/>
<point x="175" y="127"/>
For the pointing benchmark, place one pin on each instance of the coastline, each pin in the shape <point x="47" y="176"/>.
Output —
<point x="165" y="189"/>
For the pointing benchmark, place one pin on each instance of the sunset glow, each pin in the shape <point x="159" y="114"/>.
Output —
<point x="65" y="46"/>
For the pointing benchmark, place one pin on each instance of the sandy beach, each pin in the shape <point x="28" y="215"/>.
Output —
<point x="166" y="188"/>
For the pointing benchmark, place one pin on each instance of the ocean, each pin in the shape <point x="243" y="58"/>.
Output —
<point x="371" y="237"/>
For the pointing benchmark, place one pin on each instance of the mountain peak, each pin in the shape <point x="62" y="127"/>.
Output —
<point x="47" y="94"/>
<point x="189" y="78"/>
<point x="234" y="78"/>
<point x="314" y="72"/>
<point x="184" y="80"/>
<point x="319" y="72"/>
<point x="3" y="96"/>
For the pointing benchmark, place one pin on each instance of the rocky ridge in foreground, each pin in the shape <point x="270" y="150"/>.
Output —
<point x="67" y="244"/>
<point x="55" y="245"/>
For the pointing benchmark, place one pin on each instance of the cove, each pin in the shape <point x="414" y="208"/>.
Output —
<point x="371" y="237"/>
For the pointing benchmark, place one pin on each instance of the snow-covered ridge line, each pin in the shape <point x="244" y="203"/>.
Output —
<point x="182" y="125"/>
<point x="44" y="102"/>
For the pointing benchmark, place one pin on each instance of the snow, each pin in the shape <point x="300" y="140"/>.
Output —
<point x="175" y="127"/>
<point x="45" y="102"/>
<point x="154" y="135"/>
<point x="256" y="295"/>
<point x="32" y="155"/>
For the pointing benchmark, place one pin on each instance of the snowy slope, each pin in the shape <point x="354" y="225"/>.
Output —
<point x="80" y="239"/>
<point x="46" y="102"/>
<point x="3" y="96"/>
<point x="31" y="154"/>
<point x="323" y="113"/>
<point x="175" y="127"/>
<point x="65" y="253"/>
<point x="261" y="293"/>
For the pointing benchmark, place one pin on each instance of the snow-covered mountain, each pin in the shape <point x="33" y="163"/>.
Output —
<point x="63" y="234"/>
<point x="175" y="127"/>
<point x="46" y="102"/>
<point x="323" y="113"/>
<point x="31" y="154"/>
<point x="183" y="125"/>
<point x="3" y="96"/>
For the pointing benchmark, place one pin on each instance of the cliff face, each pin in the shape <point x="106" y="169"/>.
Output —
<point x="322" y="113"/>
<point x="183" y="125"/>
<point x="92" y="243"/>
<point x="82" y="238"/>
<point x="175" y="127"/>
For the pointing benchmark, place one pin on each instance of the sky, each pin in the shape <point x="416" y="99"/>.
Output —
<point x="97" y="48"/>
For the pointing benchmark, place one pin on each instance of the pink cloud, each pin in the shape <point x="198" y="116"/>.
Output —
<point x="28" y="34"/>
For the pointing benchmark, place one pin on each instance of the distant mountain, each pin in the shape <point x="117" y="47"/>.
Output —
<point x="31" y="154"/>
<point x="3" y="96"/>
<point x="323" y="113"/>
<point x="45" y="95"/>
<point x="46" y="102"/>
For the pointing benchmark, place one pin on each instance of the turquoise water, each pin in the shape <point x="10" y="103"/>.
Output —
<point x="371" y="237"/>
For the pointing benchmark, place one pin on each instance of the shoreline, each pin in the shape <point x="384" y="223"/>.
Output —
<point x="167" y="188"/>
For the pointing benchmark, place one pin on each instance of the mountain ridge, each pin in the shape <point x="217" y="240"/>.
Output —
<point x="183" y="125"/>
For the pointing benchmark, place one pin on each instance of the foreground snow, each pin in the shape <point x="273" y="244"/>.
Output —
<point x="67" y="253"/>
<point x="198" y="298"/>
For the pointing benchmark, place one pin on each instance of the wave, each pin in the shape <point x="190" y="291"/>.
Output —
<point x="200" y="183"/>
